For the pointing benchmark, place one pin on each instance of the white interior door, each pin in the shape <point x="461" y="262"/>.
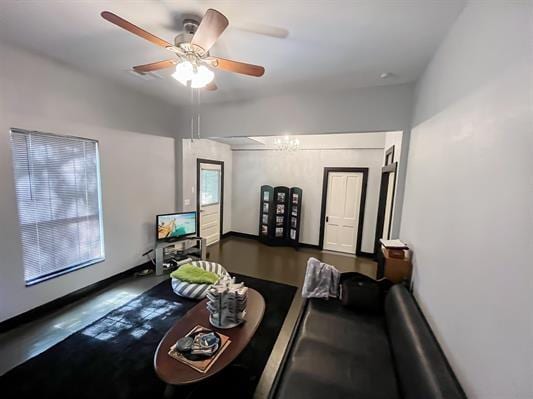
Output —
<point x="210" y="201"/>
<point x="343" y="202"/>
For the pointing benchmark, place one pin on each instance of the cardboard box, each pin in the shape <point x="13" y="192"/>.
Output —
<point x="396" y="253"/>
<point x="397" y="270"/>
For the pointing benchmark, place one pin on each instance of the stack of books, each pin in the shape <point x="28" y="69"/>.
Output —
<point x="227" y="303"/>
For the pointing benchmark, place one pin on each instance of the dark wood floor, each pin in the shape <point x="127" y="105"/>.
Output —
<point x="285" y="265"/>
<point x="282" y="264"/>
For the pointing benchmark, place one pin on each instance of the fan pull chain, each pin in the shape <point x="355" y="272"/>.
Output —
<point x="195" y="112"/>
<point x="192" y="114"/>
<point x="198" y="112"/>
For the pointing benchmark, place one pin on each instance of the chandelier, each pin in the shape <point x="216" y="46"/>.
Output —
<point x="286" y="144"/>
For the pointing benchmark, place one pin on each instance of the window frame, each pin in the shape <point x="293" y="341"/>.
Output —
<point x="77" y="266"/>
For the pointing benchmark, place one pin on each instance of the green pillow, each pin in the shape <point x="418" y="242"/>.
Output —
<point x="194" y="274"/>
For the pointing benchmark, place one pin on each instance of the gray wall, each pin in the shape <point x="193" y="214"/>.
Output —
<point x="469" y="194"/>
<point x="137" y="170"/>
<point x="37" y="86"/>
<point x="380" y="109"/>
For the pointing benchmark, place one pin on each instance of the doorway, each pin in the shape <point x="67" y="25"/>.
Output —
<point x="387" y="192"/>
<point x="210" y="199"/>
<point x="343" y="207"/>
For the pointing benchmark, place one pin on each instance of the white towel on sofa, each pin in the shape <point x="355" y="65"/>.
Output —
<point x="321" y="280"/>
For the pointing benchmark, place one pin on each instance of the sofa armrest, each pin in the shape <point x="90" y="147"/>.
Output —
<point x="422" y="368"/>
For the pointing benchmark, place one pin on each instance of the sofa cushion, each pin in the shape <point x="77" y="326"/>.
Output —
<point x="422" y="369"/>
<point x="338" y="353"/>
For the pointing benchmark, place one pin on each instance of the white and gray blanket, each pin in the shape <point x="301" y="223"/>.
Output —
<point x="321" y="280"/>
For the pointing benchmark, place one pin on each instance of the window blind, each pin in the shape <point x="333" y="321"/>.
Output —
<point x="57" y="183"/>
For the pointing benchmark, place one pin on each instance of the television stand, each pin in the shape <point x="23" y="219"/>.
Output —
<point x="189" y="246"/>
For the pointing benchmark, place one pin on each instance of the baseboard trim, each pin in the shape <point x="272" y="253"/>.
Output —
<point x="49" y="307"/>
<point x="363" y="254"/>
<point x="311" y="246"/>
<point x="256" y="237"/>
<point x="241" y="235"/>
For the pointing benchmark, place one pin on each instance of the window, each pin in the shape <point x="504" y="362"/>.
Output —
<point x="57" y="182"/>
<point x="210" y="187"/>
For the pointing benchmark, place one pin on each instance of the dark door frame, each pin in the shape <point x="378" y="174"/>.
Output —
<point x="210" y="161"/>
<point x="382" y="203"/>
<point x="364" y="171"/>
<point x="389" y="156"/>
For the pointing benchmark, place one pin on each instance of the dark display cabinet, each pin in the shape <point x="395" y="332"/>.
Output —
<point x="279" y="215"/>
<point x="281" y="210"/>
<point x="265" y="212"/>
<point x="293" y="222"/>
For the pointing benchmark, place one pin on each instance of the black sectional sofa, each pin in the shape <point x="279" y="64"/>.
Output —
<point x="336" y="353"/>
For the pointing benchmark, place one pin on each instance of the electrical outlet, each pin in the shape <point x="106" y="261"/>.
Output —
<point x="187" y="202"/>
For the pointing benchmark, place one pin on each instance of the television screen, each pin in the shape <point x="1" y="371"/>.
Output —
<point x="174" y="226"/>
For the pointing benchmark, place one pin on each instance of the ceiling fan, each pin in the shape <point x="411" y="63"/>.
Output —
<point x="191" y="49"/>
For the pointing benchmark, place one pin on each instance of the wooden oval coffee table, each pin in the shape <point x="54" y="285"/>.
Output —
<point x="174" y="372"/>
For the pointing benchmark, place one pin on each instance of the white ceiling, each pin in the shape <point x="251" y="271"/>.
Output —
<point x="330" y="44"/>
<point x="238" y="141"/>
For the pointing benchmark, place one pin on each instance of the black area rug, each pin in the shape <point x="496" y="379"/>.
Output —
<point x="113" y="357"/>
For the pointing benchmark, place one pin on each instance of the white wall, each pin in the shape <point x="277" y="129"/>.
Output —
<point x="469" y="194"/>
<point x="137" y="170"/>
<point x="373" y="109"/>
<point x="205" y="149"/>
<point x="304" y="169"/>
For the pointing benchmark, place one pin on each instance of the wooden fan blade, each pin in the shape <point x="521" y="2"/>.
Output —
<point x="238" y="67"/>
<point x="122" y="23"/>
<point x="154" y="66"/>
<point x="212" y="25"/>
<point x="211" y="86"/>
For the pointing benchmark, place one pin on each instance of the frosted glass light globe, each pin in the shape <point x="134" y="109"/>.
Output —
<point x="202" y="77"/>
<point x="184" y="72"/>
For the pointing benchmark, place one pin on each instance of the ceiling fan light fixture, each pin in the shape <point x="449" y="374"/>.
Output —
<point x="184" y="72"/>
<point x="197" y="76"/>
<point x="191" y="49"/>
<point x="202" y="77"/>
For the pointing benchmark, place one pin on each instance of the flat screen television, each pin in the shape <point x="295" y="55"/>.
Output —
<point x="173" y="226"/>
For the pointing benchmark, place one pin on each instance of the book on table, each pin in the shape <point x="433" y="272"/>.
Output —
<point x="202" y="365"/>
